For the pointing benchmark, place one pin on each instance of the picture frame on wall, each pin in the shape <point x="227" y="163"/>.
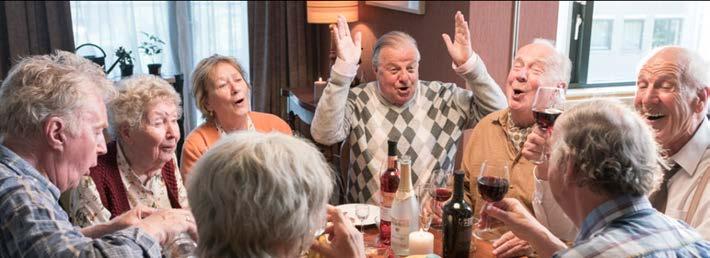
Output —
<point x="415" y="7"/>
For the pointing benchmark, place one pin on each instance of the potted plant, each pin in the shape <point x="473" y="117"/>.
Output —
<point x="125" y="61"/>
<point x="152" y="47"/>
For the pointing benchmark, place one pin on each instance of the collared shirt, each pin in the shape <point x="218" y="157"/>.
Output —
<point x="629" y="227"/>
<point x="694" y="159"/>
<point x="34" y="225"/>
<point x="87" y="208"/>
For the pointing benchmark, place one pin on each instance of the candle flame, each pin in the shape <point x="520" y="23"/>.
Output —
<point x="320" y="79"/>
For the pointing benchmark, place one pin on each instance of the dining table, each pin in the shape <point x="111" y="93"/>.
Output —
<point x="479" y="248"/>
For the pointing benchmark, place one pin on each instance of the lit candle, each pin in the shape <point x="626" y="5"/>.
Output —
<point x="318" y="87"/>
<point x="421" y="242"/>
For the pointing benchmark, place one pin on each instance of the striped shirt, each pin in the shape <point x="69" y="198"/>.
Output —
<point x="32" y="224"/>
<point x="629" y="227"/>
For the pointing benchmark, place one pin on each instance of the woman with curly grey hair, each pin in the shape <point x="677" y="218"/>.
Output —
<point x="265" y="195"/>
<point x="140" y="167"/>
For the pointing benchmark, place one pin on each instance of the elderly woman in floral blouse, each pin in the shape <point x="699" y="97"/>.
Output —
<point x="140" y="167"/>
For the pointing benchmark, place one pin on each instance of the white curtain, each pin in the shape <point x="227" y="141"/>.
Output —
<point x="200" y="29"/>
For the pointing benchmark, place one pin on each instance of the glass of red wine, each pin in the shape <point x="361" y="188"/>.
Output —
<point x="440" y="187"/>
<point x="547" y="106"/>
<point x="492" y="184"/>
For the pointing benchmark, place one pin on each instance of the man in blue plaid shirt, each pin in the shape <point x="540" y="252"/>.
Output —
<point x="53" y="116"/>
<point x="604" y="162"/>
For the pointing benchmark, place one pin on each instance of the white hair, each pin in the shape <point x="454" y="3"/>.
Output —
<point x="253" y="194"/>
<point x="48" y="85"/>
<point x="136" y="94"/>
<point x="558" y="67"/>
<point x="613" y="149"/>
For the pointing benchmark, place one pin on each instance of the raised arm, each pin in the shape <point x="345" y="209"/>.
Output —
<point x="487" y="95"/>
<point x="330" y="121"/>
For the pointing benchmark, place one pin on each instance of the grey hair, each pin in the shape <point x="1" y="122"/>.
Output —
<point x="695" y="75"/>
<point x="558" y="67"/>
<point x="253" y="194"/>
<point x="136" y="94"/>
<point x="394" y="39"/>
<point x="41" y="86"/>
<point x="613" y="150"/>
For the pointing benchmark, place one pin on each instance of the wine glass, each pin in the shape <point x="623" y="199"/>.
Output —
<point x="425" y="213"/>
<point x="493" y="184"/>
<point x="547" y="106"/>
<point x="362" y="211"/>
<point x="440" y="189"/>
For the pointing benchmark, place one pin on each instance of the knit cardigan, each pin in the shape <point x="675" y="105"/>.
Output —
<point x="111" y="189"/>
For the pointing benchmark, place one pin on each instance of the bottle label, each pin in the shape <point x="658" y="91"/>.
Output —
<point x="386" y="206"/>
<point x="400" y="236"/>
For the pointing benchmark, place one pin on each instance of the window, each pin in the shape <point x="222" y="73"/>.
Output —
<point x="603" y="56"/>
<point x="633" y="35"/>
<point x="666" y="32"/>
<point x="601" y="34"/>
<point x="191" y="31"/>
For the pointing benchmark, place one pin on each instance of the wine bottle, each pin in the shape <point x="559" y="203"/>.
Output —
<point x="458" y="222"/>
<point x="389" y="182"/>
<point x="405" y="210"/>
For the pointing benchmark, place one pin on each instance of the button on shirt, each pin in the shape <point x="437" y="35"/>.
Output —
<point x="629" y="227"/>
<point x="694" y="159"/>
<point x="34" y="225"/>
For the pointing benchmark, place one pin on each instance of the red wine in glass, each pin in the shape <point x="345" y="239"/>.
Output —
<point x="492" y="189"/>
<point x="546" y="118"/>
<point x="442" y="194"/>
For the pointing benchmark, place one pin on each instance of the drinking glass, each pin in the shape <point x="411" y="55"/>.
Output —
<point x="425" y="213"/>
<point x="493" y="184"/>
<point x="440" y="188"/>
<point x="362" y="211"/>
<point x="181" y="246"/>
<point x="547" y="106"/>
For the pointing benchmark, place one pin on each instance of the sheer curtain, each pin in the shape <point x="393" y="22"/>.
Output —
<point x="113" y="24"/>
<point x="191" y="31"/>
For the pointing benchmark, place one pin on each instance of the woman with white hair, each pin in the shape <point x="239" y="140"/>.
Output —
<point x="140" y="167"/>
<point x="222" y="94"/>
<point x="265" y="195"/>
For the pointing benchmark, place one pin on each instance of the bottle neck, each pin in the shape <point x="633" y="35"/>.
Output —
<point x="458" y="187"/>
<point x="405" y="182"/>
<point x="391" y="162"/>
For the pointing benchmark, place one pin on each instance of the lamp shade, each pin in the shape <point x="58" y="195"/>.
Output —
<point x="327" y="12"/>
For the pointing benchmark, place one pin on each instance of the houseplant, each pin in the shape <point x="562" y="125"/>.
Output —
<point x="152" y="47"/>
<point x="125" y="61"/>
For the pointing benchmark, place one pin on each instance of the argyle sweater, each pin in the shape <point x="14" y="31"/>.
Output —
<point x="427" y="128"/>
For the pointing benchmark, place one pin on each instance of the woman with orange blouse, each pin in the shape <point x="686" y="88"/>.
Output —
<point x="222" y="94"/>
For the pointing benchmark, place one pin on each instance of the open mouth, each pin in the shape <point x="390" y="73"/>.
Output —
<point x="654" y="117"/>
<point x="239" y="101"/>
<point x="517" y="92"/>
<point x="403" y="89"/>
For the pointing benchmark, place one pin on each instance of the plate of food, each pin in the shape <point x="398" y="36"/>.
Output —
<point x="361" y="214"/>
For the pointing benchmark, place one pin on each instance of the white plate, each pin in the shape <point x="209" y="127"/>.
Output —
<point x="349" y="211"/>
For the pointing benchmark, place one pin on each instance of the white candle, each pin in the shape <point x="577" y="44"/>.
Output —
<point x="421" y="242"/>
<point x="318" y="87"/>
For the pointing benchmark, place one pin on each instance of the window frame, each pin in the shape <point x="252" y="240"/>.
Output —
<point x="640" y="39"/>
<point x="679" y="32"/>
<point x="580" y="46"/>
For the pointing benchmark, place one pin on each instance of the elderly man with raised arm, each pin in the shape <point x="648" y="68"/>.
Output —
<point x="53" y="115"/>
<point x="426" y="118"/>
<point x="604" y="162"/>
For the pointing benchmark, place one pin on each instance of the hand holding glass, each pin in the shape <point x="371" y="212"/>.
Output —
<point x="492" y="184"/>
<point x="547" y="106"/>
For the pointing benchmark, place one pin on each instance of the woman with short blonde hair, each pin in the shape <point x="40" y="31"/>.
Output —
<point x="222" y="94"/>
